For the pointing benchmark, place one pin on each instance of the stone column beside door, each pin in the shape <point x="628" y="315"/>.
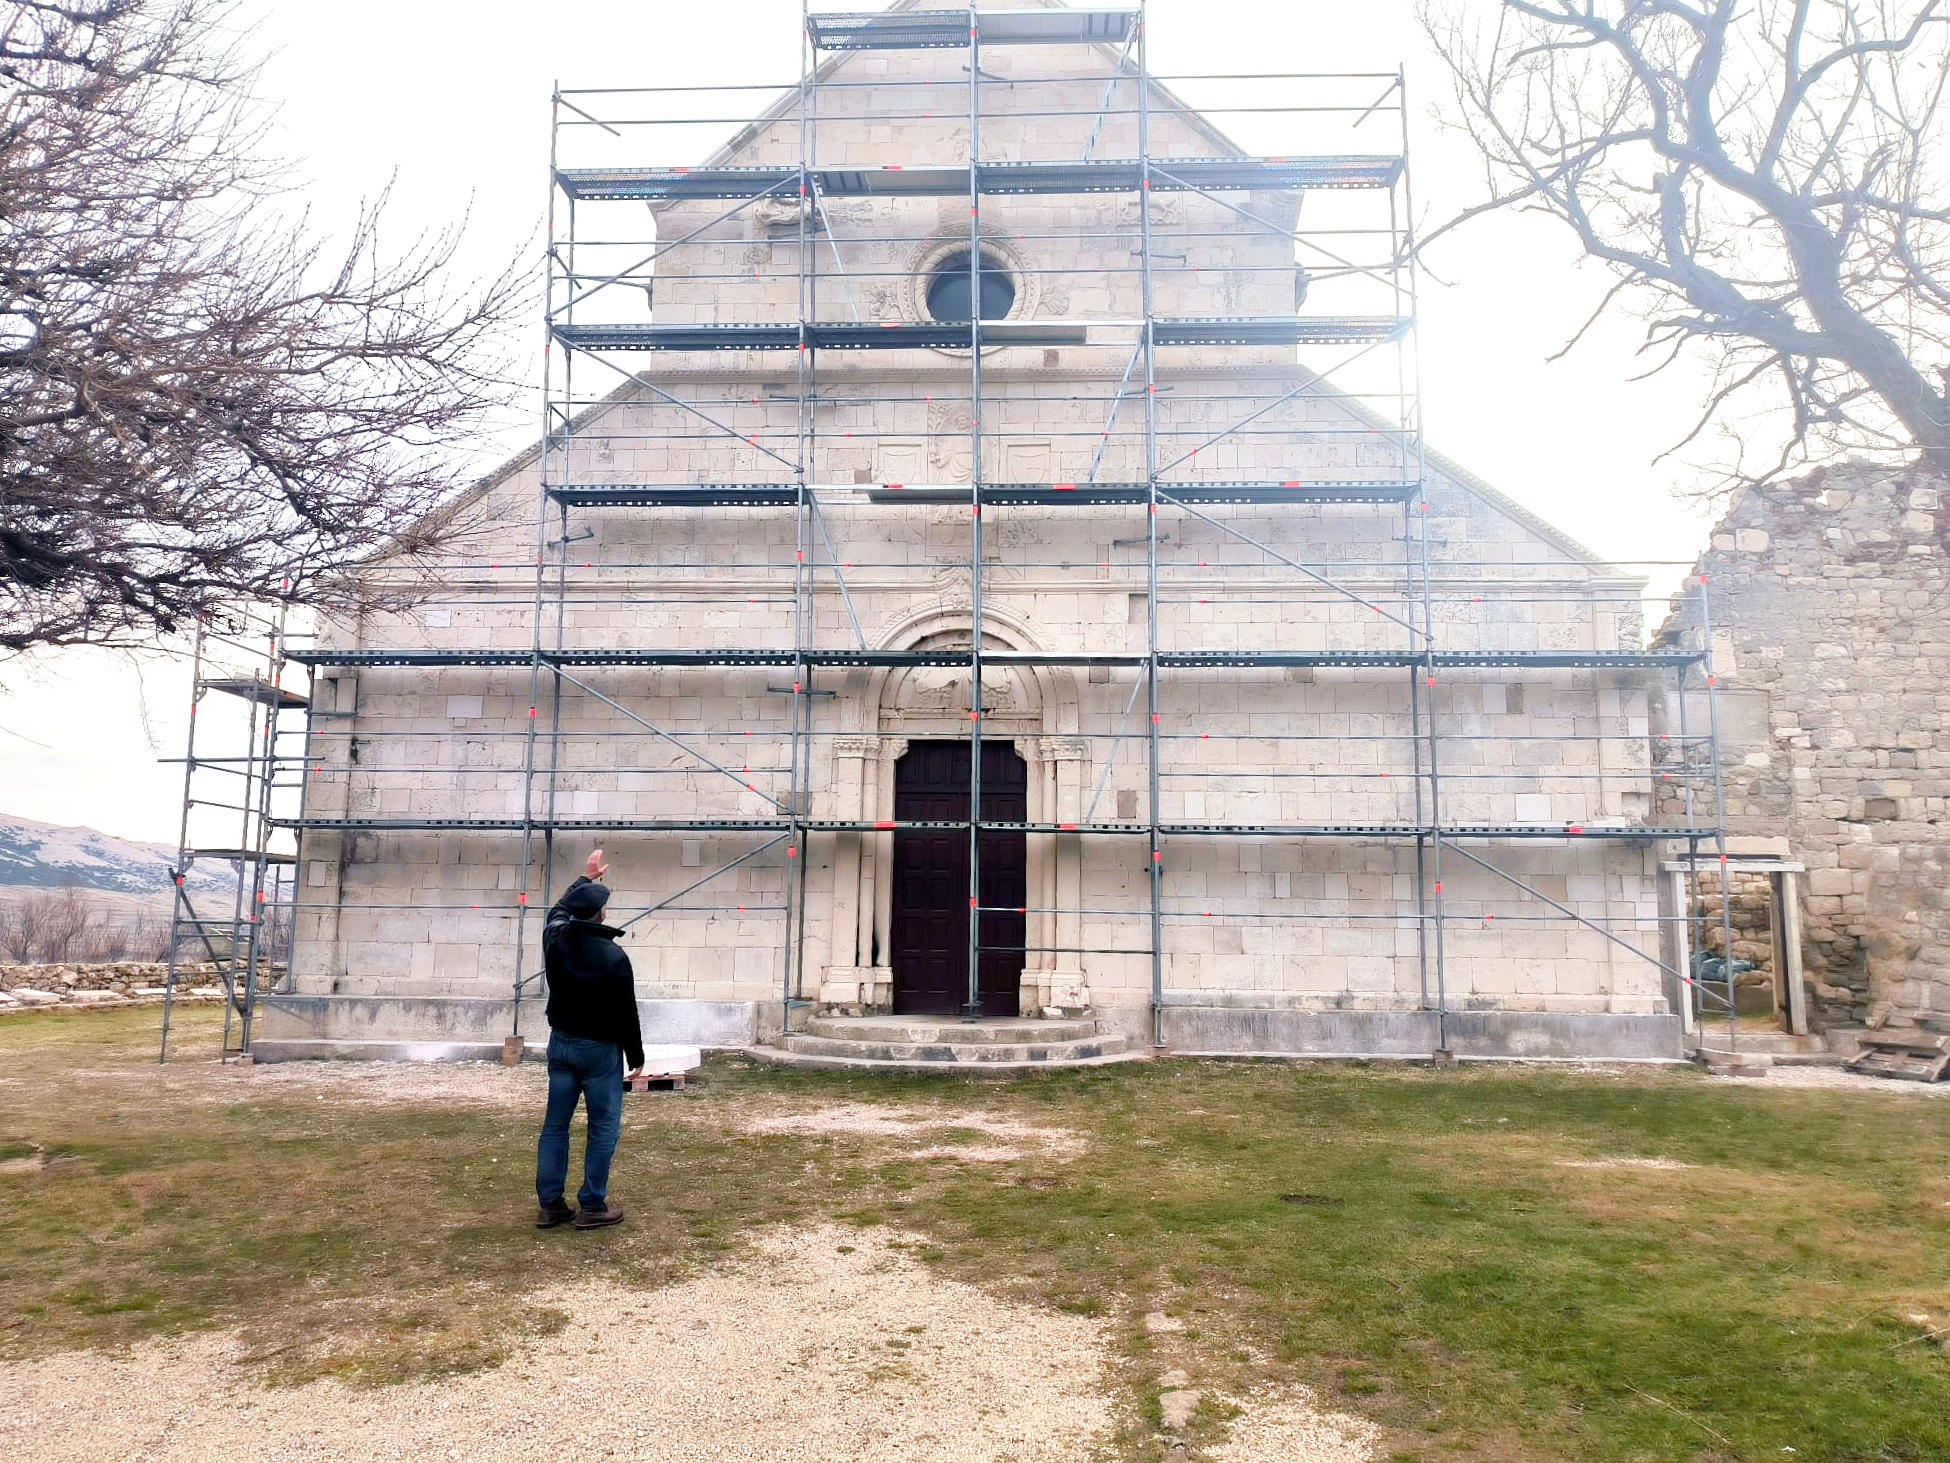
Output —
<point x="1054" y="983"/>
<point x="858" y="980"/>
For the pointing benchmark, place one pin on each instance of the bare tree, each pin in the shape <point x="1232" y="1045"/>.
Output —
<point x="24" y="927"/>
<point x="1765" y="180"/>
<point x="197" y="402"/>
<point x="71" y="925"/>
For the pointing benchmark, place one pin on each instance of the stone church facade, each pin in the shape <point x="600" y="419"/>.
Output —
<point x="433" y="837"/>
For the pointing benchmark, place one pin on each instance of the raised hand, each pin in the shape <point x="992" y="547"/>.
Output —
<point x="595" y="868"/>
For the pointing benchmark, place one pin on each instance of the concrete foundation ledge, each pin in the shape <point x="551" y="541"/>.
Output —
<point x="371" y="1026"/>
<point x="274" y="1050"/>
<point x="715" y="1025"/>
<point x="1489" y="1035"/>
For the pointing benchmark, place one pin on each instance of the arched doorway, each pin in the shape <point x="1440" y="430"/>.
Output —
<point x="929" y="926"/>
<point x="1029" y="710"/>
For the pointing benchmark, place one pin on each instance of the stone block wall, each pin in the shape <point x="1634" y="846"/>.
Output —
<point x="1830" y="599"/>
<point x="1277" y="922"/>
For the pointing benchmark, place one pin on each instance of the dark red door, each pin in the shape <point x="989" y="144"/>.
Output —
<point x="930" y="925"/>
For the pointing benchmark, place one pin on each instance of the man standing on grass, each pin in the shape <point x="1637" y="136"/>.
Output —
<point x="593" y="1036"/>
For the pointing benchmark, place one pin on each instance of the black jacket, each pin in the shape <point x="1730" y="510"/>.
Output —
<point x="591" y="990"/>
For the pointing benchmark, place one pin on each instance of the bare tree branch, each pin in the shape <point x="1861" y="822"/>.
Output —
<point x="1795" y="233"/>
<point x="199" y="401"/>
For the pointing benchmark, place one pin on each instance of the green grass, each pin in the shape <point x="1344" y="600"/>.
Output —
<point x="1450" y="1276"/>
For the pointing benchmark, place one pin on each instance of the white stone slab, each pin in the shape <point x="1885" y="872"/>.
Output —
<point x="668" y="1061"/>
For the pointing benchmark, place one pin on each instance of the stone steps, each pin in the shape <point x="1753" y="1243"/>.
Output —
<point x="976" y="1053"/>
<point x="782" y="1058"/>
<point x="1785" y="1049"/>
<point x="923" y="1044"/>
<point x="921" y="1031"/>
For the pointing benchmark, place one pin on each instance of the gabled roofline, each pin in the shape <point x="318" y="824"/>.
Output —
<point x="494" y="477"/>
<point x="1448" y="468"/>
<point x="1468" y="481"/>
<point x="821" y="70"/>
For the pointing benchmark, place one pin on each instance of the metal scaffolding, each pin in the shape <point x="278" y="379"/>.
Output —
<point x="233" y="794"/>
<point x="609" y="310"/>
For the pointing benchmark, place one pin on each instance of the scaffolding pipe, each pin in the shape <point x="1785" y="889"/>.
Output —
<point x="973" y="1010"/>
<point x="1149" y="344"/>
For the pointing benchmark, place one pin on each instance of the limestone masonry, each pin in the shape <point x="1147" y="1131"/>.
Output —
<point x="1270" y="943"/>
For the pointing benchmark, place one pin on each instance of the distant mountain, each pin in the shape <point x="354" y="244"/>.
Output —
<point x="47" y="856"/>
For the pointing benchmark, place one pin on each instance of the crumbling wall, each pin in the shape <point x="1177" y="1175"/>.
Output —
<point x="1830" y="606"/>
<point x="1751" y="920"/>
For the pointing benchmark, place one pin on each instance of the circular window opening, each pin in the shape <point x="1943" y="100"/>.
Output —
<point x="949" y="288"/>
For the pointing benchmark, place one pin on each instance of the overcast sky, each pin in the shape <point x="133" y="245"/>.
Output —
<point x="452" y="97"/>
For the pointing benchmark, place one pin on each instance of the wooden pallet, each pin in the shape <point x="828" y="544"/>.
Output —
<point x="655" y="1082"/>
<point x="1908" y="1056"/>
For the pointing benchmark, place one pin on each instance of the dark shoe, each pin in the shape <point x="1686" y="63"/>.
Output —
<point x="599" y="1218"/>
<point x="550" y="1215"/>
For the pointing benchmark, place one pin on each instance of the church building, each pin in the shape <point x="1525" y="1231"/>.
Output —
<point x="983" y="586"/>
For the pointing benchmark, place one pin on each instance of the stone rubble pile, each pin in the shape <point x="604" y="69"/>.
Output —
<point x="115" y="983"/>
<point x="1753" y="935"/>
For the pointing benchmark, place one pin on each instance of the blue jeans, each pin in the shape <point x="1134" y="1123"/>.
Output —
<point x="593" y="1071"/>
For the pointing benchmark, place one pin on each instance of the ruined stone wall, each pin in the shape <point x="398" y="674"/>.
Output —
<point x="1830" y="599"/>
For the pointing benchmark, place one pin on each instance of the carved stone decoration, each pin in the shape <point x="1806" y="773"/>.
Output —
<point x="950" y="449"/>
<point x="1166" y="208"/>
<point x="782" y="213"/>
<point x="1232" y="286"/>
<point x="1068" y="995"/>
<point x="939" y="690"/>
<point x="1060" y="749"/>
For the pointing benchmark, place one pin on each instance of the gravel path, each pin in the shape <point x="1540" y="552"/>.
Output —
<point x="1293" y="1426"/>
<point x="824" y="1345"/>
<point x="1835" y="1079"/>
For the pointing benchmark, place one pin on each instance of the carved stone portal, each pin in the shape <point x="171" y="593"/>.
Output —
<point x="1035" y="709"/>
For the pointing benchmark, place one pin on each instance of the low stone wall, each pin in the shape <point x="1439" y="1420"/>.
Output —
<point x="118" y="983"/>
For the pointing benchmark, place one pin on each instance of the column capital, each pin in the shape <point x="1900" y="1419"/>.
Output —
<point x="870" y="746"/>
<point x="1061" y="749"/>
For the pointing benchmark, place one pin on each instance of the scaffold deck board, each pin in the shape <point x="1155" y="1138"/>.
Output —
<point x="933" y="335"/>
<point x="251" y="688"/>
<point x="1634" y="833"/>
<point x="933" y="30"/>
<point x="960" y="659"/>
<point x="956" y="180"/>
<point x="1055" y="495"/>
